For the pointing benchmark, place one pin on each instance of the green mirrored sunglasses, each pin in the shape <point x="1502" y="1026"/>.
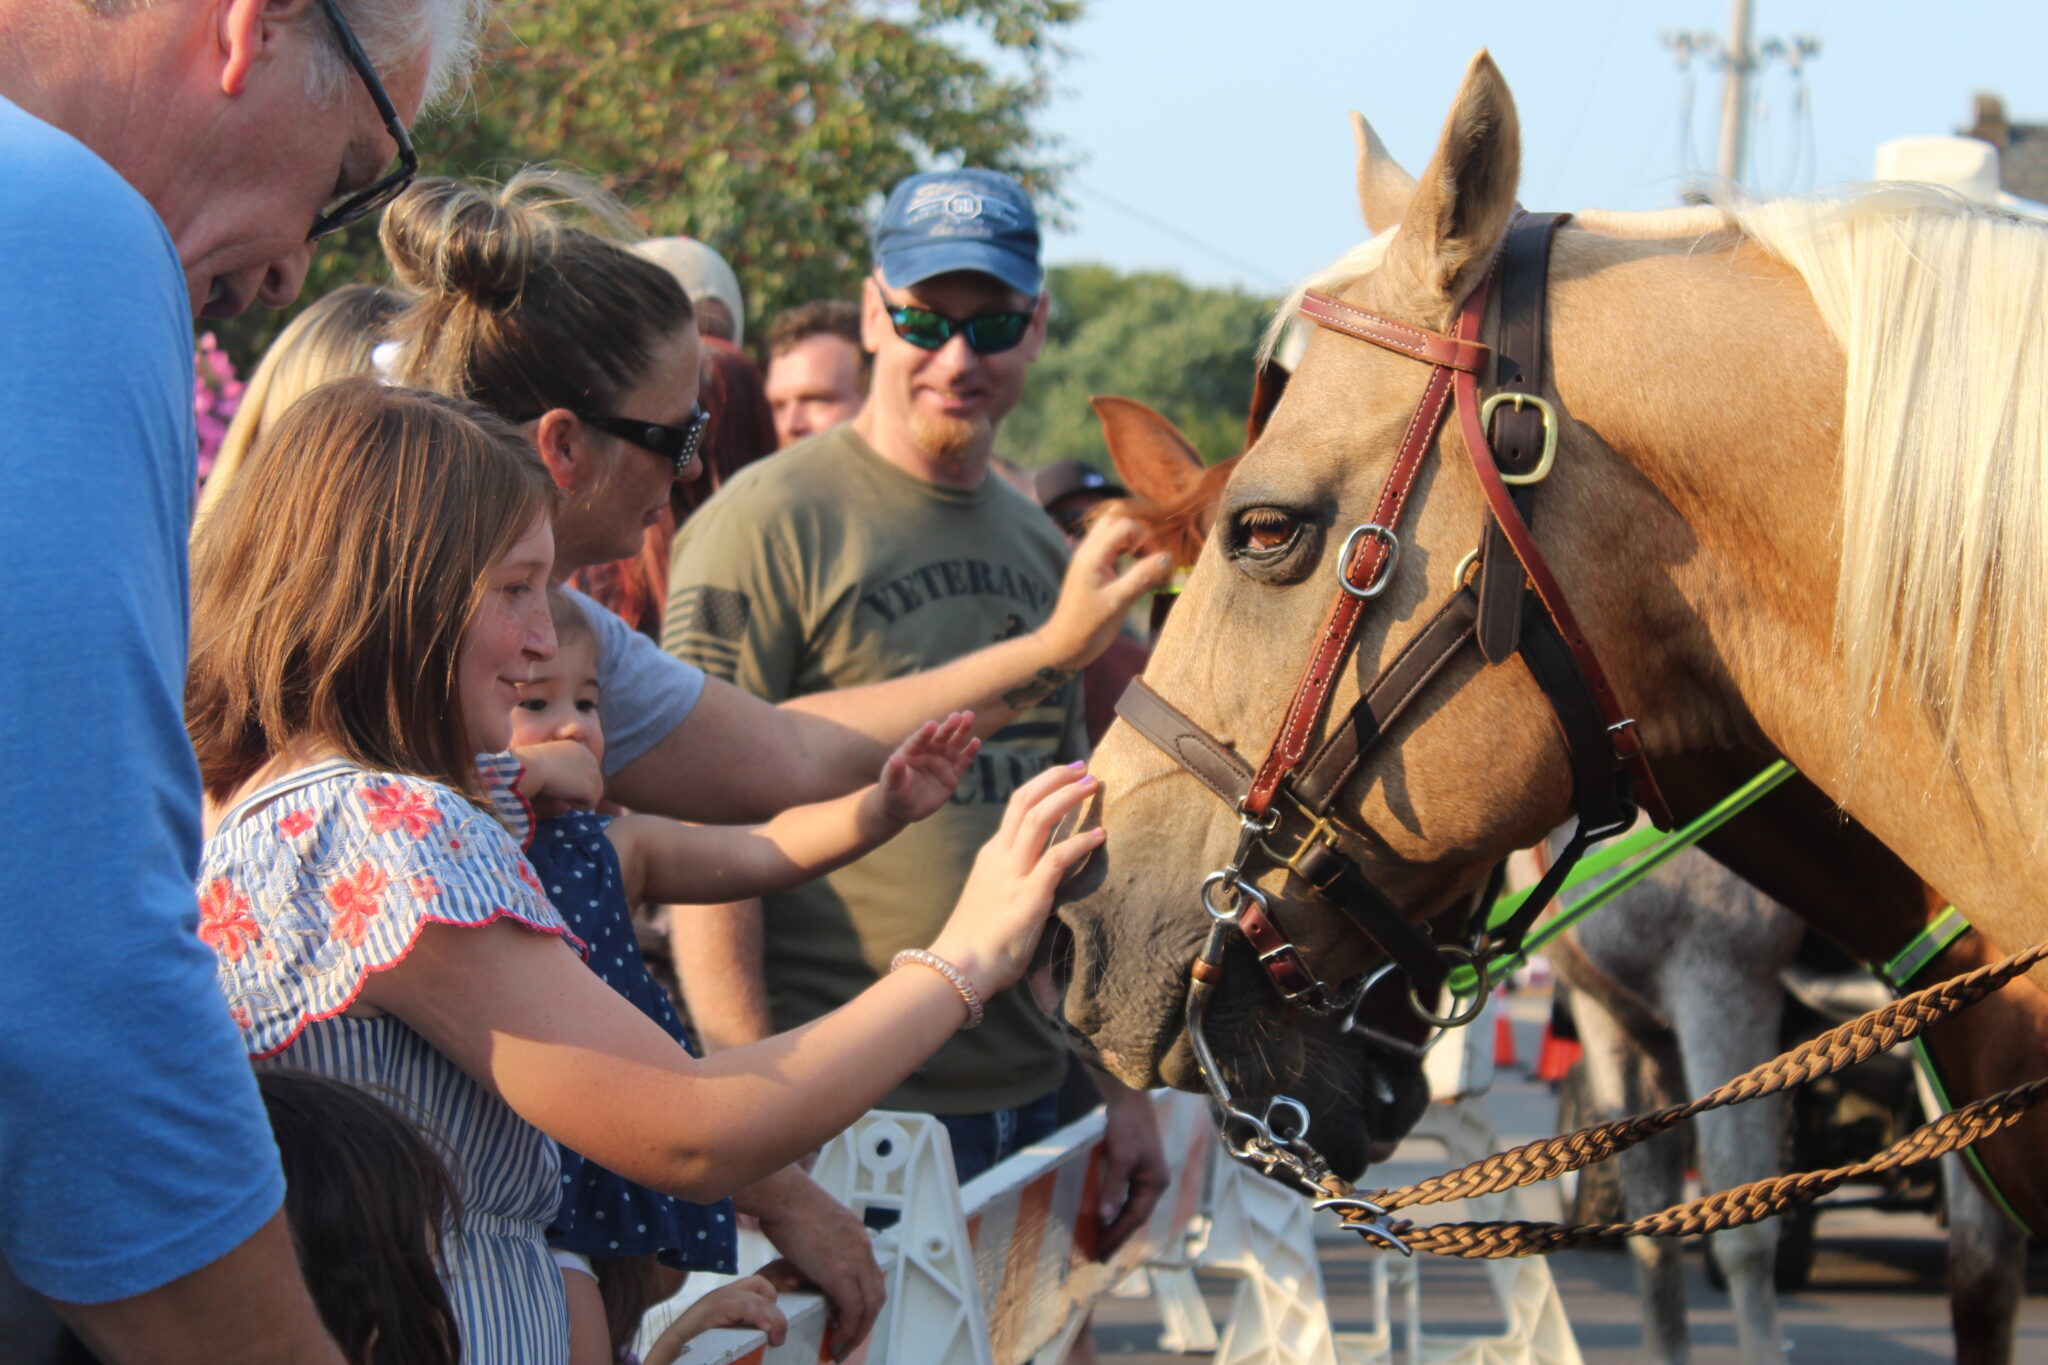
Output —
<point x="986" y="333"/>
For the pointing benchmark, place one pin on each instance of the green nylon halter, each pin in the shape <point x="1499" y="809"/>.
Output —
<point x="1650" y="850"/>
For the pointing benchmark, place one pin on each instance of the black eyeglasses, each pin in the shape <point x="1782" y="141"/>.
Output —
<point x="375" y="196"/>
<point x="986" y="333"/>
<point x="676" y="443"/>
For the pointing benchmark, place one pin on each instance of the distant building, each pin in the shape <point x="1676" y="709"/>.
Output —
<point x="2022" y="149"/>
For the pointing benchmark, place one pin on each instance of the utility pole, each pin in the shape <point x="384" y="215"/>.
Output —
<point x="1737" y="61"/>
<point x="1740" y="57"/>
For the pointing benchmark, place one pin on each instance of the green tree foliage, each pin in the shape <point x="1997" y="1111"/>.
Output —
<point x="769" y="128"/>
<point x="1185" y="350"/>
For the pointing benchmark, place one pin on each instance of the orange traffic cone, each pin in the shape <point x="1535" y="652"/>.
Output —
<point x="1503" y="1033"/>
<point x="1556" y="1056"/>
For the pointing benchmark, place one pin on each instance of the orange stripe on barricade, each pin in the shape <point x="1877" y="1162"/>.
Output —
<point x="1087" y="1226"/>
<point x="1009" y="1315"/>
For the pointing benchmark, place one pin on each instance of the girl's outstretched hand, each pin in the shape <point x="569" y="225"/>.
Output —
<point x="921" y="775"/>
<point x="995" y="925"/>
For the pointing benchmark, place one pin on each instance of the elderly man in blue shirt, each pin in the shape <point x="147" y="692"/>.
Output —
<point x="160" y="159"/>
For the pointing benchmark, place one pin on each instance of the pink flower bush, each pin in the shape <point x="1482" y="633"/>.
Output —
<point x="216" y="394"/>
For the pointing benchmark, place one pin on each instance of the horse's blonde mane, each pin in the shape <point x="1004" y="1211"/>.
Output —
<point x="1940" y="306"/>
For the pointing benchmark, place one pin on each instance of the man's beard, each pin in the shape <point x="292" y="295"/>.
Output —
<point x="946" y="439"/>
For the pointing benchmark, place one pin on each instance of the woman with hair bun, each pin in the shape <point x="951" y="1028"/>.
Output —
<point x="593" y="352"/>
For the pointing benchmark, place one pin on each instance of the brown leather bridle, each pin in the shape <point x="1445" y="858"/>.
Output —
<point x="1517" y="608"/>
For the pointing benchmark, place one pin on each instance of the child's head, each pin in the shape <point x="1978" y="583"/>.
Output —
<point x="366" y="1199"/>
<point x="560" y="699"/>
<point x="374" y="582"/>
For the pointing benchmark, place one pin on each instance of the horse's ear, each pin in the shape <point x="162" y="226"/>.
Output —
<point x="1467" y="192"/>
<point x="1384" y="189"/>
<point x="1268" y="385"/>
<point x="1154" y="460"/>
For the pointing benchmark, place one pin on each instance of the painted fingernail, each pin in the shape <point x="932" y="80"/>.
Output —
<point x="1079" y="765"/>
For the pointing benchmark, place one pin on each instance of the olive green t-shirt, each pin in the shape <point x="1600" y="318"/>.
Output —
<point x="823" y="567"/>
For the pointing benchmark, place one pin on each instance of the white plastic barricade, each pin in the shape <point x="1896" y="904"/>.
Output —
<point x="998" y="1271"/>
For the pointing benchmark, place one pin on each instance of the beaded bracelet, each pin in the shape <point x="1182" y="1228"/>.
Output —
<point x="924" y="957"/>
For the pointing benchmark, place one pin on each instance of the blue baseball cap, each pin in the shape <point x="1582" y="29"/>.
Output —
<point x="940" y="221"/>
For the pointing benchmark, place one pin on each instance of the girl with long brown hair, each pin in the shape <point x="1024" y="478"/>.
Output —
<point x="368" y="598"/>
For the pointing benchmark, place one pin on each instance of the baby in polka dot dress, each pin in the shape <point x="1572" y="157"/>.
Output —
<point x="595" y="868"/>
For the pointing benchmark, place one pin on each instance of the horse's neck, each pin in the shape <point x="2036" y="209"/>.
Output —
<point x="1710" y="374"/>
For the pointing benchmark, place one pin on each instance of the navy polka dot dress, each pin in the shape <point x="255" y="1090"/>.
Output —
<point x="603" y="1214"/>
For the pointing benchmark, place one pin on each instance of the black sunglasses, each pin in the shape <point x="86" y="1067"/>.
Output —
<point x="986" y="333"/>
<point x="676" y="443"/>
<point x="375" y="196"/>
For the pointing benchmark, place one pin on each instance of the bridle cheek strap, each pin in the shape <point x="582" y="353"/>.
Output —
<point x="1627" y="745"/>
<point x="1372" y="546"/>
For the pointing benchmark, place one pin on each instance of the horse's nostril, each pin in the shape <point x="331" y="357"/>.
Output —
<point x="1056" y="953"/>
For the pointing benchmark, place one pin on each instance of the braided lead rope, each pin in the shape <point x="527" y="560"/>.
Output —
<point x="1841" y="1046"/>
<point x="1731" y="1208"/>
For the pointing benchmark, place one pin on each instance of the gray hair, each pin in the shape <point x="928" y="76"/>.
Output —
<point x="394" y="31"/>
<point x="391" y="32"/>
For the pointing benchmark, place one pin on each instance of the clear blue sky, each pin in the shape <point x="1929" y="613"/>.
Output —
<point x="1228" y="120"/>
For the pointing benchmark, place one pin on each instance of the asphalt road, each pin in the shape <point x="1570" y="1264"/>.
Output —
<point x="1878" y="1294"/>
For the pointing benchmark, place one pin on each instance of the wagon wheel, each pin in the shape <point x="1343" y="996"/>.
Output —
<point x="1592" y="1195"/>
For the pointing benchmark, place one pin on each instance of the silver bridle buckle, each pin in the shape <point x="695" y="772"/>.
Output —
<point x="1381" y="579"/>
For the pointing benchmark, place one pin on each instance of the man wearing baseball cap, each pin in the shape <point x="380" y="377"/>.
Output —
<point x="885" y="547"/>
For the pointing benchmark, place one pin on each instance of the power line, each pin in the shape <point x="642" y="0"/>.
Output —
<point x="1740" y="58"/>
<point x="1180" y="234"/>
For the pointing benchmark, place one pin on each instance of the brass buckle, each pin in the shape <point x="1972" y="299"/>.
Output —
<point x="1322" y="829"/>
<point x="1522" y="400"/>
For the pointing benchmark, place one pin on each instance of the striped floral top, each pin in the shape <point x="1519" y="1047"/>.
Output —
<point x="329" y="874"/>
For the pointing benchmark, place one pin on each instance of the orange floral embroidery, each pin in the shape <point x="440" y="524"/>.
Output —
<point x="397" y="806"/>
<point x="225" y="924"/>
<point x="424" y="888"/>
<point x="356" y="898"/>
<point x="295" y="824"/>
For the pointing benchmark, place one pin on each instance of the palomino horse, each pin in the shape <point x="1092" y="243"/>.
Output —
<point x="1797" y="503"/>
<point x="1794" y="844"/>
<point x="1704" y="953"/>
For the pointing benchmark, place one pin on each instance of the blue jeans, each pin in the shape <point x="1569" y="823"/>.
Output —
<point x="981" y="1140"/>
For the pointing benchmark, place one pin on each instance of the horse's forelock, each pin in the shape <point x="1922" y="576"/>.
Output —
<point x="1179" y="526"/>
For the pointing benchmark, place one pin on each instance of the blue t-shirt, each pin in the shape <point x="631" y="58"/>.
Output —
<point x="133" y="1146"/>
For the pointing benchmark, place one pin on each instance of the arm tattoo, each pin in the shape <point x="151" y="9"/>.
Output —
<point x="1042" y="685"/>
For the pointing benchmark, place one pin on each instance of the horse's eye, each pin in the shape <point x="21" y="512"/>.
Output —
<point x="1270" y="544"/>
<point x="1265" y="529"/>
